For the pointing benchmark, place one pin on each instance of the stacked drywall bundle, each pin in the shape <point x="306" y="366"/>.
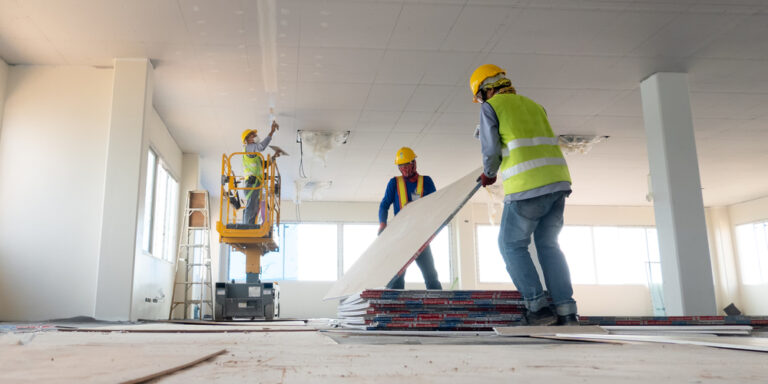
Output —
<point x="381" y="309"/>
<point x="755" y="321"/>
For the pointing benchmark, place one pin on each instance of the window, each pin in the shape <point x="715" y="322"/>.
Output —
<point x="160" y="208"/>
<point x="440" y="246"/>
<point x="752" y="242"/>
<point x="312" y="251"/>
<point x="595" y="255"/>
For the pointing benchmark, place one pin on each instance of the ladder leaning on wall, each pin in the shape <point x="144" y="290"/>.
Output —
<point x="193" y="288"/>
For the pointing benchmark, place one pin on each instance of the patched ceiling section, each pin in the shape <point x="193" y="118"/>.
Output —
<point x="394" y="73"/>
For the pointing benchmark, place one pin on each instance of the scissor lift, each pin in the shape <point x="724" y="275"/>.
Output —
<point x="254" y="298"/>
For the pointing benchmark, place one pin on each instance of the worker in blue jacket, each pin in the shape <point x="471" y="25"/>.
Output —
<point x="402" y="190"/>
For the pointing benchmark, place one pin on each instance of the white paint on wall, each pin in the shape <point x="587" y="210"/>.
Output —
<point x="3" y="82"/>
<point x="53" y="145"/>
<point x="153" y="277"/>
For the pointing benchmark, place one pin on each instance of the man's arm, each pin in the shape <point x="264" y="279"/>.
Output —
<point x="389" y="198"/>
<point x="429" y="185"/>
<point x="258" y="147"/>
<point x="490" y="141"/>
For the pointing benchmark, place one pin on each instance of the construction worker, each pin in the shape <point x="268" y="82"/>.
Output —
<point x="401" y="190"/>
<point x="254" y="171"/>
<point x="518" y="143"/>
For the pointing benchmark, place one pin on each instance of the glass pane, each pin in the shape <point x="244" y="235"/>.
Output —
<point x="161" y="189"/>
<point x="761" y="237"/>
<point x="748" y="254"/>
<point x="171" y="218"/>
<point x="236" y="266"/>
<point x="653" y="245"/>
<point x="440" y="247"/>
<point x="272" y="262"/>
<point x="357" y="238"/>
<point x="146" y="236"/>
<point x="576" y="244"/>
<point x="620" y="255"/>
<point x="317" y="252"/>
<point x="491" y="267"/>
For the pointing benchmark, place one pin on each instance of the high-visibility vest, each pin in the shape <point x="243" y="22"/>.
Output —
<point x="531" y="157"/>
<point x="252" y="166"/>
<point x="402" y="192"/>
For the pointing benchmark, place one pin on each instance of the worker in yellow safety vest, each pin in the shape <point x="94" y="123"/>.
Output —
<point x="518" y="144"/>
<point x="253" y="170"/>
<point x="401" y="190"/>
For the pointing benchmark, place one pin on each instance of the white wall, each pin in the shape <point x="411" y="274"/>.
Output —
<point x="52" y="169"/>
<point x="752" y="297"/>
<point x="154" y="277"/>
<point x="3" y="82"/>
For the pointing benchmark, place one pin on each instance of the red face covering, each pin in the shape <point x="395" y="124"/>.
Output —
<point x="409" y="171"/>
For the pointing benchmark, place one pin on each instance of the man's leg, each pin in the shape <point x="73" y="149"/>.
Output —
<point x="252" y="198"/>
<point x="553" y="264"/>
<point x="397" y="282"/>
<point x="426" y="264"/>
<point x="518" y="222"/>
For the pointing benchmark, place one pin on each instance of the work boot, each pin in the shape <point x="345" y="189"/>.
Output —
<point x="570" y="319"/>
<point x="543" y="316"/>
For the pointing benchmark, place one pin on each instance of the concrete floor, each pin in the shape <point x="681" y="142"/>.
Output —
<point x="310" y="356"/>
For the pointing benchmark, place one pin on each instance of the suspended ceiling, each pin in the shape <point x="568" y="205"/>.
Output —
<point x="394" y="73"/>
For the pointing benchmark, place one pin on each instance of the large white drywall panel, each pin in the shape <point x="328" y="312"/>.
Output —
<point x="52" y="156"/>
<point x="404" y="237"/>
<point x="153" y="277"/>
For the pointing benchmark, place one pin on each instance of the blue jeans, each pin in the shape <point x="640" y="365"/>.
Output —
<point x="426" y="264"/>
<point x="541" y="217"/>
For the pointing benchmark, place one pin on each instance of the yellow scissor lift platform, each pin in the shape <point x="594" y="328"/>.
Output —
<point x="254" y="298"/>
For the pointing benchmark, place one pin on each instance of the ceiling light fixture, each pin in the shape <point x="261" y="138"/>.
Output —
<point x="579" y="143"/>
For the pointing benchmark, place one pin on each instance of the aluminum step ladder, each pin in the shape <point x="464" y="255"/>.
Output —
<point x="193" y="288"/>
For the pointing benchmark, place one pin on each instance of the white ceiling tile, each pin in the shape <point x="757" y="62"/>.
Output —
<point x="455" y="123"/>
<point x="402" y="67"/>
<point x="528" y="70"/>
<point x="718" y="75"/>
<point x="725" y="105"/>
<point x="629" y="105"/>
<point x="747" y="40"/>
<point x="326" y="120"/>
<point x="215" y="22"/>
<point x="345" y="65"/>
<point x="448" y="68"/>
<point x="423" y="26"/>
<point x="389" y="97"/>
<point x="685" y="34"/>
<point x="377" y="121"/>
<point x="331" y="96"/>
<point x="413" y="122"/>
<point x="614" y="126"/>
<point x="39" y="52"/>
<point x="428" y="98"/>
<point x="351" y="25"/>
<point x="466" y="35"/>
<point x="588" y="102"/>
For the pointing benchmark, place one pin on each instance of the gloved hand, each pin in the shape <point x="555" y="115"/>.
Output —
<point x="485" y="180"/>
<point x="381" y="228"/>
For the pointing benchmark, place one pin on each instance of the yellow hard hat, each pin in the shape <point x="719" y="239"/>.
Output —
<point x="404" y="156"/>
<point x="479" y="75"/>
<point x="246" y="133"/>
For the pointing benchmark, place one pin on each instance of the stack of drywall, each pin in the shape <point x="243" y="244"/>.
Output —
<point x="431" y="310"/>
<point x="755" y="321"/>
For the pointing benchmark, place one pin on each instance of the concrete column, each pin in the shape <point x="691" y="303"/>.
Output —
<point x="685" y="261"/>
<point x="131" y="96"/>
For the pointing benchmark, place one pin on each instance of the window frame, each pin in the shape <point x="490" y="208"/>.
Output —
<point x="171" y="219"/>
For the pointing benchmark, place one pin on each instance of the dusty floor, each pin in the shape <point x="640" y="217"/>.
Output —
<point x="313" y="357"/>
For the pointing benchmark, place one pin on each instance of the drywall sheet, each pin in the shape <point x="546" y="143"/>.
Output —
<point x="377" y="309"/>
<point x="406" y="235"/>
<point x="728" y="342"/>
<point x="540" y="330"/>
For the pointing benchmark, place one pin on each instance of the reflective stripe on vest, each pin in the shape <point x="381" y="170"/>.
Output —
<point x="531" y="157"/>
<point x="252" y="166"/>
<point x="402" y="191"/>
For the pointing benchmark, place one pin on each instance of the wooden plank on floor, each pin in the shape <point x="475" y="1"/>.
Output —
<point x="38" y="362"/>
<point x="171" y="370"/>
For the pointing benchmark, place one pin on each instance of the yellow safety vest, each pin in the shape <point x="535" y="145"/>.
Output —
<point x="402" y="192"/>
<point x="252" y="166"/>
<point x="531" y="157"/>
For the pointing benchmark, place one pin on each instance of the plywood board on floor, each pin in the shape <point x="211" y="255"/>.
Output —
<point x="404" y="236"/>
<point x="95" y="362"/>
